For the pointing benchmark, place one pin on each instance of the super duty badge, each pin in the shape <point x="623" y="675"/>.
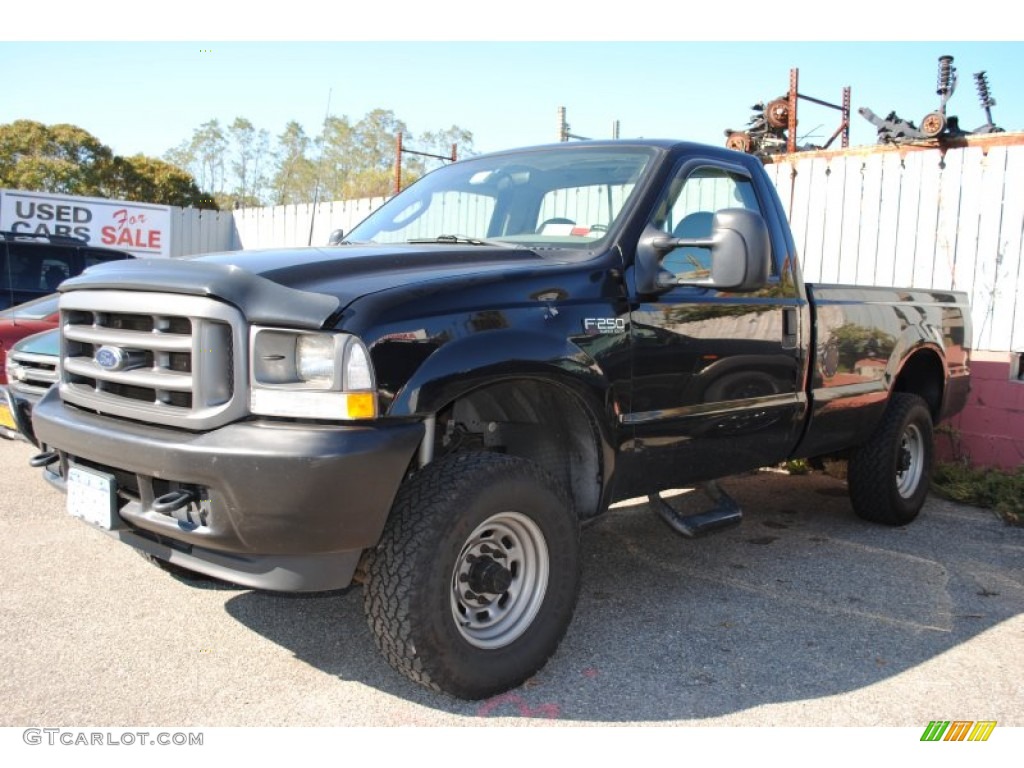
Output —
<point x="595" y="325"/>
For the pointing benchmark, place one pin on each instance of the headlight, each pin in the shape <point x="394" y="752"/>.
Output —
<point x="310" y="375"/>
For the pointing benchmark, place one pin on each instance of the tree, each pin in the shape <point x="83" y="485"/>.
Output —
<point x="295" y="179"/>
<point x="66" y="159"/>
<point x="375" y="138"/>
<point x="338" y="161"/>
<point x="60" y="158"/>
<point x="346" y="160"/>
<point x="441" y="142"/>
<point x="251" y="148"/>
<point x="149" y="179"/>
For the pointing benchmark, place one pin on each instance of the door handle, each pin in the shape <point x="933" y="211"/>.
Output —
<point x="789" y="327"/>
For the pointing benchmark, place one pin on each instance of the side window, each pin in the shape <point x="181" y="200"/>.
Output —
<point x="37" y="269"/>
<point x="689" y="208"/>
<point x="55" y="272"/>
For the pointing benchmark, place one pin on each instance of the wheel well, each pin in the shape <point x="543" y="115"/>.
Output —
<point x="923" y="375"/>
<point x="535" y="420"/>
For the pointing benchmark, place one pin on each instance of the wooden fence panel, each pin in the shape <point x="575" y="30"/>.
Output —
<point x="1006" y="320"/>
<point x="200" y="231"/>
<point x="869" y="212"/>
<point x="286" y="226"/>
<point x="986" y="289"/>
<point x="917" y="218"/>
<point x="926" y="224"/>
<point x="948" y="215"/>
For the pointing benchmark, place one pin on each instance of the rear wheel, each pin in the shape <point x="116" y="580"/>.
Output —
<point x="889" y="475"/>
<point x="475" y="579"/>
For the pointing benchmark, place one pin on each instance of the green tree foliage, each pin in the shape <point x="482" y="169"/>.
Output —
<point x="149" y="179"/>
<point x="347" y="160"/>
<point x="203" y="156"/>
<point x="66" y="159"/>
<point x="295" y="180"/>
<point x="59" y="158"/>
<point x="250" y="158"/>
<point x="441" y="142"/>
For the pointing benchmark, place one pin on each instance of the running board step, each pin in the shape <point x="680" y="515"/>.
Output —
<point x="724" y="514"/>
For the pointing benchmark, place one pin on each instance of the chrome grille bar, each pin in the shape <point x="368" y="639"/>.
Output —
<point x="164" y="358"/>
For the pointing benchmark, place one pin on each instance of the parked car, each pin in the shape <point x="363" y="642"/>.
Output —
<point x="30" y="369"/>
<point x="33" y="265"/>
<point x="492" y="358"/>
<point x="17" y="323"/>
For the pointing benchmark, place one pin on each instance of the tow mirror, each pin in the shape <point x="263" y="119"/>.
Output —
<point x="740" y="255"/>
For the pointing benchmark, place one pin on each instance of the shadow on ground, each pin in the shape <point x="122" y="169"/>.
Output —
<point x="801" y="601"/>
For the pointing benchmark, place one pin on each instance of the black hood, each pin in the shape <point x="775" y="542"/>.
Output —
<point x="302" y="287"/>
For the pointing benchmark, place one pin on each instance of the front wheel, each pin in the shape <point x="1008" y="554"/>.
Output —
<point x="475" y="579"/>
<point x="889" y="475"/>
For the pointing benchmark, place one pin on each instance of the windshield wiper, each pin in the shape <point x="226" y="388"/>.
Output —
<point x="458" y="240"/>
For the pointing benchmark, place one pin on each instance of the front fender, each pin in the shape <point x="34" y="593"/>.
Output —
<point x="498" y="355"/>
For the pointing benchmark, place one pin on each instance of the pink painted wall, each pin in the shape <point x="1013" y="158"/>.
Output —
<point x="989" y="432"/>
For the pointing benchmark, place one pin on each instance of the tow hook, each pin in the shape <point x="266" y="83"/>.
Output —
<point x="172" y="501"/>
<point x="44" y="459"/>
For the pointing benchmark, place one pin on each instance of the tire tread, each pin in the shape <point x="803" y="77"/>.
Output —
<point x="871" y="473"/>
<point x="413" y="531"/>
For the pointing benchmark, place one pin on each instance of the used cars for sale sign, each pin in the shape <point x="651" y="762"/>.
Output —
<point x="139" y="228"/>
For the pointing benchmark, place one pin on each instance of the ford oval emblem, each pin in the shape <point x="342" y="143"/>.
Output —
<point x="109" y="358"/>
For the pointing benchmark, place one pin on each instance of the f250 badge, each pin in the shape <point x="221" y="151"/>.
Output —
<point x="595" y="325"/>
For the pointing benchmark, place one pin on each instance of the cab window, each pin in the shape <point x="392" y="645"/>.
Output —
<point x="689" y="208"/>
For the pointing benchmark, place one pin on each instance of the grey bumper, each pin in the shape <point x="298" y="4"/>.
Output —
<point x="279" y="505"/>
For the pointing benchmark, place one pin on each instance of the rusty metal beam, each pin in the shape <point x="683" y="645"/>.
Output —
<point x="982" y="141"/>
<point x="794" y="94"/>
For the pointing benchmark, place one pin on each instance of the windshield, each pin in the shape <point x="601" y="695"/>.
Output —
<point x="565" y="198"/>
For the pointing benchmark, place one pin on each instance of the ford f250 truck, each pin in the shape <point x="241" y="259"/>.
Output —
<point x="434" y="407"/>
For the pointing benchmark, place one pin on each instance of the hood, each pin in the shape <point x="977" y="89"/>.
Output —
<point x="301" y="287"/>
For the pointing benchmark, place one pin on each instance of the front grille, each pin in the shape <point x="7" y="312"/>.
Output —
<point x="154" y="357"/>
<point x="31" y="373"/>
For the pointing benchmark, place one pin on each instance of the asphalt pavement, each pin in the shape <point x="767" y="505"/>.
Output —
<point x="803" y="615"/>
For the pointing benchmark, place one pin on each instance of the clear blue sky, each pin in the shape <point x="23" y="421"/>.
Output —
<point x="148" y="97"/>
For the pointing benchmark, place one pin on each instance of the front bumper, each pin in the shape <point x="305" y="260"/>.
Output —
<point x="278" y="505"/>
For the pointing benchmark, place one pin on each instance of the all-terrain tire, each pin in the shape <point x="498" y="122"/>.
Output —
<point x="476" y="575"/>
<point x="889" y="475"/>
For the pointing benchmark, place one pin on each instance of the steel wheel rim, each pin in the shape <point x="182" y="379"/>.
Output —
<point x="910" y="461"/>
<point x="494" y="617"/>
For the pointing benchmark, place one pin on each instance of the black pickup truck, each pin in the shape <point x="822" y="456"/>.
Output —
<point x="434" y="407"/>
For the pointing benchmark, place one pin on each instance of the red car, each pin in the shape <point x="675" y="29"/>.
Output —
<point x="15" y="324"/>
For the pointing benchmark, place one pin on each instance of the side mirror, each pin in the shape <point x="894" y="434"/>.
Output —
<point x="337" y="237"/>
<point x="740" y="254"/>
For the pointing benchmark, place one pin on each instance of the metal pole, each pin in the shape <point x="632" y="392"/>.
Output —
<point x="319" y="168"/>
<point x="398" y="163"/>
<point x="846" y="117"/>
<point x="794" y="77"/>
